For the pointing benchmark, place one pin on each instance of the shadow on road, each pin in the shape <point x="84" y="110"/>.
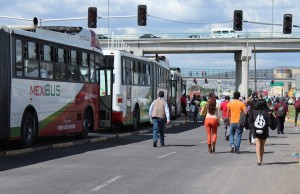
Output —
<point x="280" y="163"/>
<point x="43" y="151"/>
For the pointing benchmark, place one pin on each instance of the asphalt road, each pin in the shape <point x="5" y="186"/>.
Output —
<point x="130" y="165"/>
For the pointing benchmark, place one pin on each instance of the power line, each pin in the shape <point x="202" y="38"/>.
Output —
<point x="194" y="23"/>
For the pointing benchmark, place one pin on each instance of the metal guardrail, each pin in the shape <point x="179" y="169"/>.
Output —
<point x="205" y="35"/>
<point x="261" y="74"/>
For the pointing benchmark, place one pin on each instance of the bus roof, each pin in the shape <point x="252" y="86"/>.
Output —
<point x="221" y="29"/>
<point x="162" y="63"/>
<point x="74" y="36"/>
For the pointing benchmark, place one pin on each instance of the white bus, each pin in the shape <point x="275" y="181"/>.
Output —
<point x="223" y="33"/>
<point x="176" y="91"/>
<point x="137" y="81"/>
<point x="50" y="78"/>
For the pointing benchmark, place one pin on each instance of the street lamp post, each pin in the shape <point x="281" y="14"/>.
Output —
<point x="108" y="23"/>
<point x="272" y="15"/>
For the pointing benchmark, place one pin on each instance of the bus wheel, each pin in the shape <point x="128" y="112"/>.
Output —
<point x="87" y="125"/>
<point x="28" y="130"/>
<point x="136" y="119"/>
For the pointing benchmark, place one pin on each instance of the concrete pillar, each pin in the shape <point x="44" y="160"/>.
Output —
<point x="242" y="72"/>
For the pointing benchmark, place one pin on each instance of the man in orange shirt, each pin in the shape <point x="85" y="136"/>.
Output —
<point x="234" y="109"/>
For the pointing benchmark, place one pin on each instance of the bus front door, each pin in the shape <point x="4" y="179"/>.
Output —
<point x="172" y="95"/>
<point x="105" y="106"/>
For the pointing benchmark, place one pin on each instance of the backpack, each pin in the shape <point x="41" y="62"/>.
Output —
<point x="297" y="104"/>
<point x="260" y="123"/>
<point x="281" y="111"/>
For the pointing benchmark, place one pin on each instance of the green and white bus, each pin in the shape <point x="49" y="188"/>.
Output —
<point x="137" y="81"/>
<point x="50" y="83"/>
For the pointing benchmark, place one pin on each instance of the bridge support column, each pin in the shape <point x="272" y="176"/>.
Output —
<point x="242" y="72"/>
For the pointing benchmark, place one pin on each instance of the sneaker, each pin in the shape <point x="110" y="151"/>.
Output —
<point x="154" y="144"/>
<point x="237" y="151"/>
<point x="162" y="145"/>
<point x="295" y="124"/>
<point x="227" y="138"/>
<point x="232" y="149"/>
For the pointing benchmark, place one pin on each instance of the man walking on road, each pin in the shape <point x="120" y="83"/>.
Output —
<point x="225" y="117"/>
<point x="297" y="109"/>
<point x="234" y="109"/>
<point x="159" y="112"/>
<point x="281" y="110"/>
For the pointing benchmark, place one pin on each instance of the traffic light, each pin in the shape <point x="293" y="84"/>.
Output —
<point x="287" y="23"/>
<point x="142" y="15"/>
<point x="92" y="17"/>
<point x="238" y="20"/>
<point x="206" y="81"/>
<point x="35" y="21"/>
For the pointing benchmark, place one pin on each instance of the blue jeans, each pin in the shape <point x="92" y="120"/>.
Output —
<point x="234" y="127"/>
<point x="158" y="127"/>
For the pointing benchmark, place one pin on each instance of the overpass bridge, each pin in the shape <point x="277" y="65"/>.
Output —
<point x="241" y="48"/>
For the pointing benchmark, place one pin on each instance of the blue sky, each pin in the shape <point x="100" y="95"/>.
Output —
<point x="189" y="16"/>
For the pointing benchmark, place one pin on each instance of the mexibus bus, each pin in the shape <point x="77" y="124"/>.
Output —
<point x="50" y="83"/>
<point x="137" y="81"/>
<point x="176" y="90"/>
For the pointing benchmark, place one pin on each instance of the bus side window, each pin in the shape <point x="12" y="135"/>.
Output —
<point x="60" y="71"/>
<point x="31" y="66"/>
<point x="92" y="68"/>
<point x="46" y="64"/>
<point x="72" y="65"/>
<point x="19" y="64"/>
<point x="127" y="70"/>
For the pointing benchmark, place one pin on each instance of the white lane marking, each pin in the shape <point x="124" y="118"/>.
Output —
<point x="159" y="157"/>
<point x="107" y="183"/>
<point x="203" y="141"/>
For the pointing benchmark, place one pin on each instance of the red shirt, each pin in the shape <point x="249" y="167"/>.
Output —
<point x="223" y="108"/>
<point x="276" y="107"/>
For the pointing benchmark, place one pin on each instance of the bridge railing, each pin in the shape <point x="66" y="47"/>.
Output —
<point x="261" y="74"/>
<point x="205" y="35"/>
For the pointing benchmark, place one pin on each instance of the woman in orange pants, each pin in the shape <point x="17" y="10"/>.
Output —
<point x="211" y="124"/>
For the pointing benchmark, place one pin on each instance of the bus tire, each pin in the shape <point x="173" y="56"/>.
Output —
<point x="87" y="124"/>
<point x="136" y="119"/>
<point x="28" y="130"/>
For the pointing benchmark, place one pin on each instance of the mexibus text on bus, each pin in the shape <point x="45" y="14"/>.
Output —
<point x="137" y="81"/>
<point x="50" y="83"/>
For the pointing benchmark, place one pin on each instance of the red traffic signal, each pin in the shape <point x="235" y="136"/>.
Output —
<point x="142" y="15"/>
<point x="92" y="17"/>
<point x="287" y="24"/>
<point x="238" y="20"/>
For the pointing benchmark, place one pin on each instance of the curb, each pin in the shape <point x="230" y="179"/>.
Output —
<point x="17" y="152"/>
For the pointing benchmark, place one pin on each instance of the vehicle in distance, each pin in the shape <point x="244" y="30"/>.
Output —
<point x="149" y="36"/>
<point x="223" y="33"/>
<point x="194" y="36"/>
<point x="101" y="36"/>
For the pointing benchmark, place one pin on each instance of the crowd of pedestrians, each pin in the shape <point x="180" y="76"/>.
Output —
<point x="259" y="113"/>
